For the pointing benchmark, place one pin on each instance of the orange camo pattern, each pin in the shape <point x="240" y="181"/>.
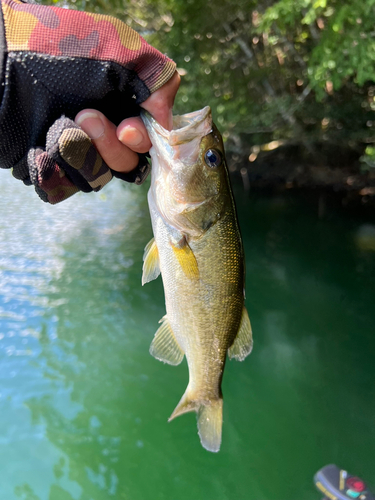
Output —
<point x="62" y="32"/>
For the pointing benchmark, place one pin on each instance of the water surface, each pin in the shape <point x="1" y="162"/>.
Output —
<point x="84" y="407"/>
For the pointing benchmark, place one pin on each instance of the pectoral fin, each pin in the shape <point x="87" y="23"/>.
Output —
<point x="243" y="343"/>
<point x="186" y="259"/>
<point x="151" y="266"/>
<point x="164" y="346"/>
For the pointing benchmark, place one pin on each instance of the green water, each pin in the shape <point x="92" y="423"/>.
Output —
<point x="84" y="407"/>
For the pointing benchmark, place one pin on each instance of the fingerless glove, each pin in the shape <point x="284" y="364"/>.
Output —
<point x="56" y="62"/>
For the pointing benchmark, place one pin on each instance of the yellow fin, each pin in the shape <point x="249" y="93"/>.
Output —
<point x="164" y="346"/>
<point x="243" y="343"/>
<point x="151" y="266"/>
<point x="186" y="259"/>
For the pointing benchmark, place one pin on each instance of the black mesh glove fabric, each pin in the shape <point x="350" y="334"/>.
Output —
<point x="57" y="62"/>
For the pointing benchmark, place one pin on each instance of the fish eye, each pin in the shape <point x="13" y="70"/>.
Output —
<point x="213" y="158"/>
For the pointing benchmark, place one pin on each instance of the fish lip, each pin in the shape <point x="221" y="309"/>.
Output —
<point x="158" y="136"/>
<point x="195" y="126"/>
<point x="151" y="124"/>
<point x="180" y="135"/>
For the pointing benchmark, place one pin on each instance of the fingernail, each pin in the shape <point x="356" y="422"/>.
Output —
<point x="91" y="124"/>
<point x="130" y="136"/>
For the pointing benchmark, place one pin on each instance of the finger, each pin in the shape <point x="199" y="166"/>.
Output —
<point x="102" y="132"/>
<point x="160" y="103"/>
<point x="133" y="134"/>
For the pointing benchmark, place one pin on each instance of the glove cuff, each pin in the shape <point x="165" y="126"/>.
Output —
<point x="139" y="174"/>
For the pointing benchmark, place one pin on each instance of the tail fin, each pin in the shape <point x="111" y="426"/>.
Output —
<point x="210" y="419"/>
<point x="187" y="403"/>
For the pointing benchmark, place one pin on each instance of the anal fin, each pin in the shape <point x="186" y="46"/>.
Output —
<point x="164" y="346"/>
<point x="243" y="343"/>
<point x="151" y="265"/>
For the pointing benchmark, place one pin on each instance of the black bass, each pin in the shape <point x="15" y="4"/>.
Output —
<point x="197" y="248"/>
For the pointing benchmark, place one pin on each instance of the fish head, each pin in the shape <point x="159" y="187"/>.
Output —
<point x="189" y="175"/>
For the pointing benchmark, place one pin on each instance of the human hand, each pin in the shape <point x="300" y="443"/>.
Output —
<point x="59" y="62"/>
<point x="119" y="146"/>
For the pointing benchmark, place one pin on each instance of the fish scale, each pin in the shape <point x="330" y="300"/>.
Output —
<point x="198" y="250"/>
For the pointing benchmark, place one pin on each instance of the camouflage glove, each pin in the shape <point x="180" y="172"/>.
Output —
<point x="56" y="62"/>
<point x="71" y="163"/>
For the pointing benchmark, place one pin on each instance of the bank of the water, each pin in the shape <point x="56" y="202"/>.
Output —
<point x="84" y="407"/>
<point x="282" y="170"/>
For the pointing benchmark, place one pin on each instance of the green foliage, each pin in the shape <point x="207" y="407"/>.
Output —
<point x="368" y="159"/>
<point x="300" y="70"/>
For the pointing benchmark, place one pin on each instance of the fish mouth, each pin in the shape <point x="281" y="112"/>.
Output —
<point x="190" y="126"/>
<point x="185" y="128"/>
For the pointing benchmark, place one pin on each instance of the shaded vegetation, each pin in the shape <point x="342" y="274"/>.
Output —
<point x="281" y="72"/>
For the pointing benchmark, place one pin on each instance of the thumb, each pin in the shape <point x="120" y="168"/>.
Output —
<point x="160" y="103"/>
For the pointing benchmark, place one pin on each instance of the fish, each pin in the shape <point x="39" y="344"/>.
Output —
<point x="197" y="249"/>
